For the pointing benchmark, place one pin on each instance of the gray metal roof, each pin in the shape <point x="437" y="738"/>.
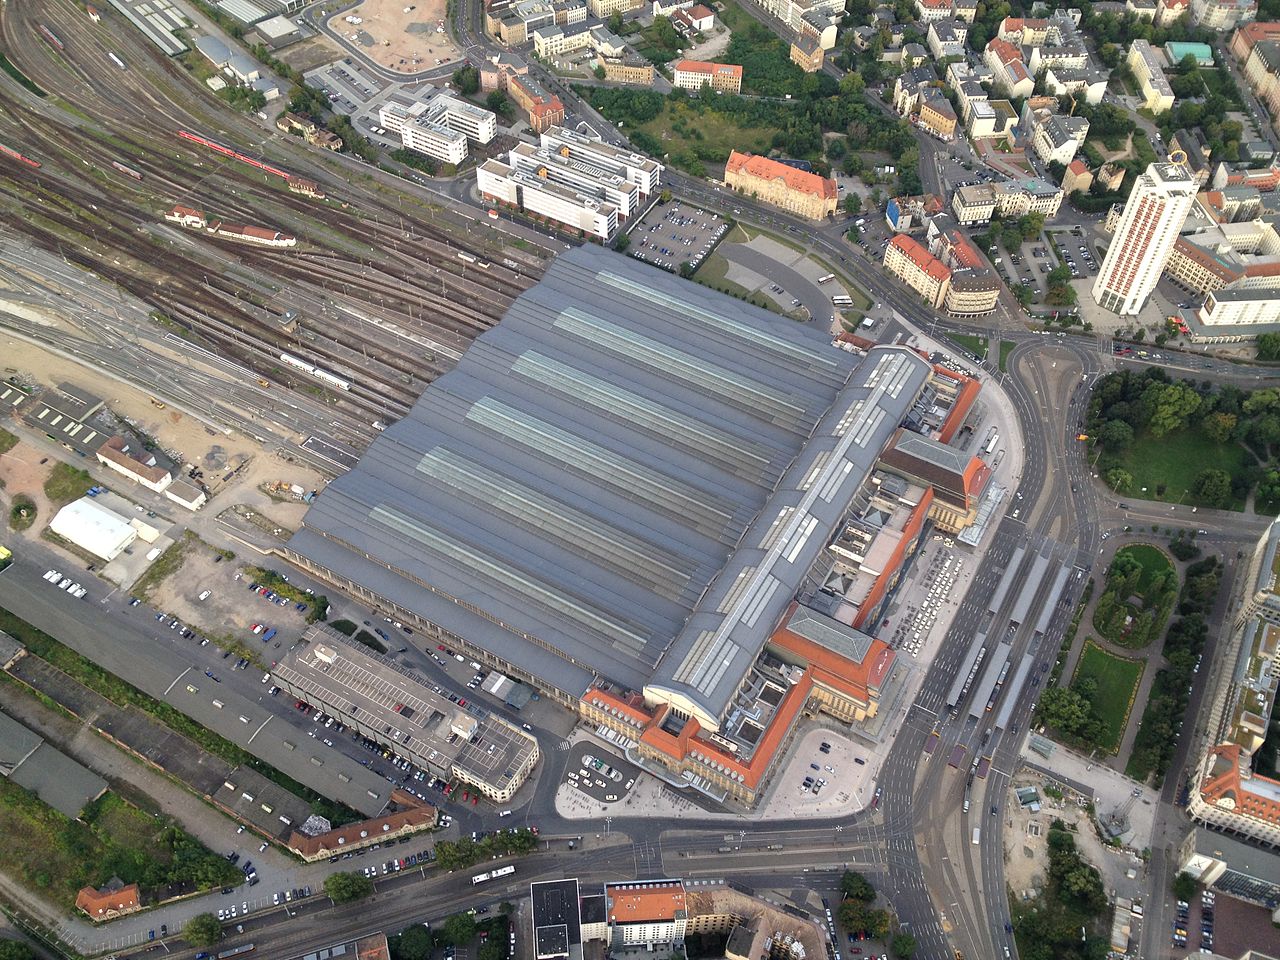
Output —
<point x="828" y="633"/>
<point x="565" y="497"/>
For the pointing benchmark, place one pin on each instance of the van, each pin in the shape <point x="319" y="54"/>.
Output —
<point x="206" y="594"/>
<point x="473" y="665"/>
<point x="505" y="813"/>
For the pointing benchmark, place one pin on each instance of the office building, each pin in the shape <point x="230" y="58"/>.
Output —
<point x="555" y="919"/>
<point x="554" y="41"/>
<point x="544" y="109"/>
<point x="377" y="698"/>
<point x="693" y="75"/>
<point x="780" y="185"/>
<point x="661" y="553"/>
<point x="991" y="119"/>
<point x="1153" y="216"/>
<point x="920" y="270"/>
<point x="1232" y="866"/>
<point x="632" y="70"/>
<point x="936" y="115"/>
<point x="437" y="124"/>
<point x="646" y="913"/>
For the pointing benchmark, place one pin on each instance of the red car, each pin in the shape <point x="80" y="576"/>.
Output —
<point x="462" y="703"/>
<point x="466" y="795"/>
<point x="474" y="801"/>
<point x="439" y="646"/>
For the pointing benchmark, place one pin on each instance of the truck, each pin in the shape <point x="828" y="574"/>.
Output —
<point x="957" y="756"/>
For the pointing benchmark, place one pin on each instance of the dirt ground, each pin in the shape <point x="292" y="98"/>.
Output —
<point x="400" y="35"/>
<point x="231" y="610"/>
<point x="23" y="472"/>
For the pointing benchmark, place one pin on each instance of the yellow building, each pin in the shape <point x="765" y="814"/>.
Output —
<point x="777" y="184"/>
<point x="807" y="53"/>
<point x="639" y="72"/>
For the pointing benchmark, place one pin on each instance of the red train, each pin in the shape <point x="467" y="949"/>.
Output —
<point x="51" y="37"/>
<point x="127" y="171"/>
<point x="15" y="155"/>
<point x="228" y="152"/>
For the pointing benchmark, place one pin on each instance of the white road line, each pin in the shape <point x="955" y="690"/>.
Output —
<point x="260" y="729"/>
<point x="175" y="680"/>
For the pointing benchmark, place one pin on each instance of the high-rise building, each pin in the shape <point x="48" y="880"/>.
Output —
<point x="1157" y="208"/>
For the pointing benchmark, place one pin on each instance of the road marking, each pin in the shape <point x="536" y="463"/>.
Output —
<point x="259" y="730"/>
<point x="175" y="680"/>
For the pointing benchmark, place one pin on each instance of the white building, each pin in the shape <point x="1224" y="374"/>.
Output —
<point x="1057" y="138"/>
<point x="636" y="168"/>
<point x="1241" y="307"/>
<point x="1157" y="95"/>
<point x="652" y="914"/>
<point x="548" y="185"/>
<point x="1148" y="229"/>
<point x="438" y="124"/>
<point x="139" y="465"/>
<point x="92" y="527"/>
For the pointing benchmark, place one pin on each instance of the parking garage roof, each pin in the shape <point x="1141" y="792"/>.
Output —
<point x="574" y="486"/>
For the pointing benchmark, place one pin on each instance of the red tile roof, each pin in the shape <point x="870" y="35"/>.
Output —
<point x="921" y="257"/>
<point x="966" y="395"/>
<point x="107" y="902"/>
<point x="701" y="12"/>
<point x="1227" y="783"/>
<point x="765" y="169"/>
<point x="412" y="813"/>
<point x="1078" y="166"/>
<point x="640" y="902"/>
<point x="1005" y="50"/>
<point x="709" y="69"/>
<point x="858" y="679"/>
<point x="965" y="254"/>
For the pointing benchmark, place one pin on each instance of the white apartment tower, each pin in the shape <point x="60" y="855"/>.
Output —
<point x="1149" y="226"/>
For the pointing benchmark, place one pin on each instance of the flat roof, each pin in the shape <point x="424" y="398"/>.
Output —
<point x="557" y="925"/>
<point x="373" y="692"/>
<point x="57" y="779"/>
<point x="645" y="901"/>
<point x="574" y="486"/>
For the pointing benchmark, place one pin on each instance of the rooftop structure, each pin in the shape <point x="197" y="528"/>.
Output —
<point x="378" y="698"/>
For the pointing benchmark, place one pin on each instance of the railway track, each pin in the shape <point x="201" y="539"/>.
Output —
<point x="394" y="306"/>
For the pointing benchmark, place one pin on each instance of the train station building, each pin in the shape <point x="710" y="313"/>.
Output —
<point x="618" y="496"/>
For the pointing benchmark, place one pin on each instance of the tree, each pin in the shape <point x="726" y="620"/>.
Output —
<point x="1219" y="427"/>
<point x="852" y="84"/>
<point x="1268" y="346"/>
<point x="686" y="269"/>
<point x="414" y="943"/>
<point x="614" y="23"/>
<point x="1023" y="294"/>
<point x="467" y="80"/>
<point x="498" y="102"/>
<point x="599" y="72"/>
<point x="347" y="887"/>
<point x="495" y="949"/>
<point x="202" y="930"/>
<point x="857" y="887"/>
<point x="904" y="945"/>
<point x="664" y="195"/>
<point x="1115" y="435"/>
<point x="1184" y="886"/>
<point x="13" y="950"/>
<point x="1169" y="406"/>
<point x="1213" y="486"/>
<point x="1121" y="481"/>
<point x="623" y="241"/>
<point x="1065" y="709"/>
<point x="459" y="929"/>
<point x="852" y="203"/>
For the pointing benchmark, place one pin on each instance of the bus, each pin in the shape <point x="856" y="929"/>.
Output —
<point x="486" y="877"/>
<point x="841" y="300"/>
<point x="991" y="444"/>
<point x="827" y="279"/>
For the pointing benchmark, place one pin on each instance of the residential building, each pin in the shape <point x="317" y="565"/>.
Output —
<point x="1157" y="95"/>
<point x="914" y="55"/>
<point x="1083" y="83"/>
<point x="110" y="902"/>
<point x="936" y="115"/>
<point x="1024" y="31"/>
<point x="495" y="69"/>
<point x="920" y="270"/>
<point x="1057" y="138"/>
<point x="406" y="815"/>
<point x="311" y="132"/>
<point x="974" y="205"/>
<point x="1261" y="71"/>
<point x="972" y="293"/>
<point x="378" y="699"/>
<point x="1153" y="216"/>
<point x="1141" y="9"/>
<point x="1265" y="180"/>
<point x="1244" y="38"/>
<point x="1110" y="177"/>
<point x="693" y="75"/>
<point x="807" y="53"/>
<point x="928" y="11"/>
<point x="633" y="70"/>
<point x="1257" y="151"/>
<point x="911" y="214"/>
<point x="792" y="13"/>
<point x="1077" y="178"/>
<point x="1231" y="204"/>
<point x="1017" y="198"/>
<point x="908" y="87"/>
<point x="946" y="38"/>
<point x="1226" y="793"/>
<point x="603" y="9"/>
<point x="1222" y="14"/>
<point x="651" y="914"/>
<point x="1169" y="11"/>
<point x="139" y="465"/>
<point x="1011" y="76"/>
<point x="777" y="184"/>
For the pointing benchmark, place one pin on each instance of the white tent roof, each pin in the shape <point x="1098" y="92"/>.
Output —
<point x="93" y="527"/>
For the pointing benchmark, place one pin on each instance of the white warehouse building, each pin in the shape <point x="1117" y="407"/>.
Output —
<point x="93" y="527"/>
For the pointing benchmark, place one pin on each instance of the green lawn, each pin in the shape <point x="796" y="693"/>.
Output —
<point x="1006" y="348"/>
<point x="683" y="130"/>
<point x="1154" y="562"/>
<point x="1168" y="466"/>
<point x="971" y="342"/>
<point x="66" y="483"/>
<point x="1117" y="679"/>
<point x="7" y="441"/>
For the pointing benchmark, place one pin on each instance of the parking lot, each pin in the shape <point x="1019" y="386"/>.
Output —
<point x="598" y="773"/>
<point x="915" y="622"/>
<point x="348" y="87"/>
<point x="670" y="235"/>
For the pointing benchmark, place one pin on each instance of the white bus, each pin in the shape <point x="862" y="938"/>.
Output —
<point x="827" y="279"/>
<point x="992" y="444"/>
<point x="842" y="301"/>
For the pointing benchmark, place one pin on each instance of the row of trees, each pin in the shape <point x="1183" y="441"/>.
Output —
<point x="462" y="853"/>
